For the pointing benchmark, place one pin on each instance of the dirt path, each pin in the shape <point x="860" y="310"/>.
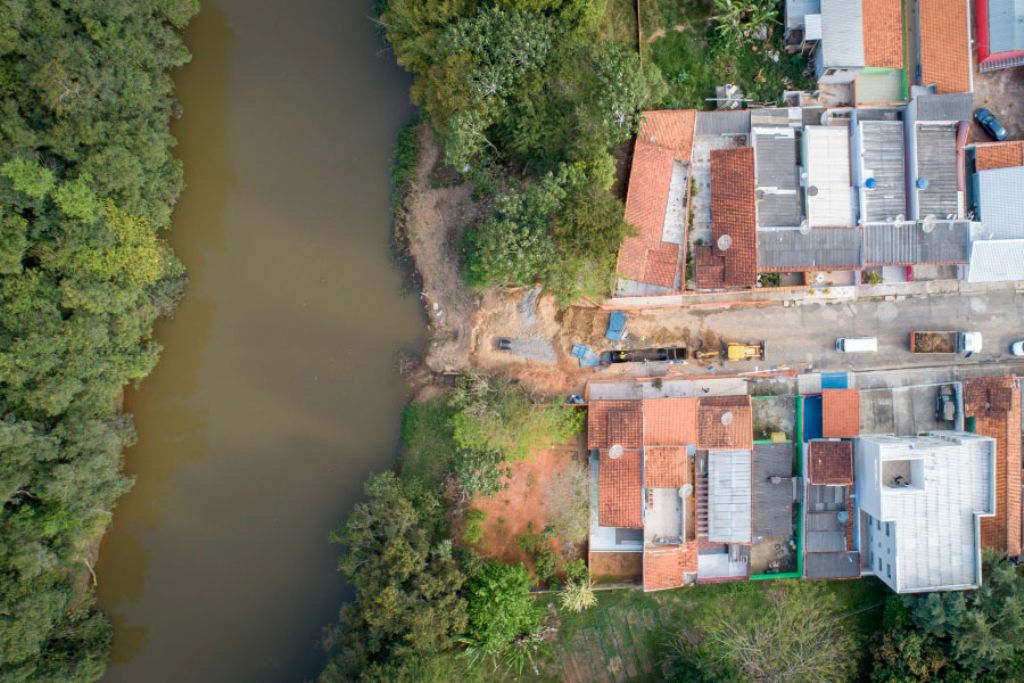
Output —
<point x="433" y="219"/>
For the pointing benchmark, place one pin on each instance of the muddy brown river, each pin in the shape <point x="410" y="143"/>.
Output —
<point x="275" y="394"/>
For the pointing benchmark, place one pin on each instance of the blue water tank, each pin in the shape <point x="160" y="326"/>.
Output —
<point x="922" y="183"/>
<point x="870" y="183"/>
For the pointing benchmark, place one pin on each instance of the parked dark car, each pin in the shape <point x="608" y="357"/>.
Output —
<point x="990" y="123"/>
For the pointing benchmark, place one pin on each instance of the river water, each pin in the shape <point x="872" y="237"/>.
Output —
<point x="275" y="394"/>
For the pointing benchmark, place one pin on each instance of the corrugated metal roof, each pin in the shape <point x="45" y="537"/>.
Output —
<point x="776" y="176"/>
<point x="821" y="248"/>
<point x="723" y="122"/>
<point x="949" y="107"/>
<point x="1005" y="25"/>
<point x="827" y="159"/>
<point x="882" y="159"/>
<point x="908" y="243"/>
<point x="996" y="261"/>
<point x="842" y="33"/>
<point x="1001" y="202"/>
<point x="937" y="161"/>
<point x="729" y="496"/>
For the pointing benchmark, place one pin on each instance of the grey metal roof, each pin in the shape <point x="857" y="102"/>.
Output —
<point x="723" y="122"/>
<point x="775" y="157"/>
<point x="773" y="503"/>
<point x="1001" y="202"/>
<point x="832" y="565"/>
<point x="796" y="10"/>
<point x="842" y="33"/>
<point x="936" y="161"/>
<point x="821" y="248"/>
<point x="908" y="243"/>
<point x="1005" y="25"/>
<point x="824" y="533"/>
<point x="949" y="107"/>
<point x="729" y="496"/>
<point x="882" y="159"/>
<point x="996" y="261"/>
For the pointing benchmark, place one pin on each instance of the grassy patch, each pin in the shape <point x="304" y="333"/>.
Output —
<point x="427" y="443"/>
<point x="630" y="628"/>
<point x="694" y="60"/>
<point x="619" y="24"/>
<point x="403" y="161"/>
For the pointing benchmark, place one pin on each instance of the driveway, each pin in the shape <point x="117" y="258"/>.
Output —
<point x="1003" y="93"/>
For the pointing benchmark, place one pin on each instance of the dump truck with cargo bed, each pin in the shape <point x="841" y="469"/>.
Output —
<point x="963" y="343"/>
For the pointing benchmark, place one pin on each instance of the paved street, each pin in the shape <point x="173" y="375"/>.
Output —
<point x="803" y="337"/>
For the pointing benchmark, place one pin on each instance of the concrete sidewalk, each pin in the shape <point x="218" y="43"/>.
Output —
<point x="789" y="296"/>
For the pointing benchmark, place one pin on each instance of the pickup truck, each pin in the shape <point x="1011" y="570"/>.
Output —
<point x="963" y="343"/>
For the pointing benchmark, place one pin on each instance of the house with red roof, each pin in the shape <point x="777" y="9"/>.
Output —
<point x="650" y="261"/>
<point x="667" y="486"/>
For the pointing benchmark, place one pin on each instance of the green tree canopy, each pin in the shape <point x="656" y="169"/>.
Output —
<point x="408" y="603"/>
<point x="86" y="182"/>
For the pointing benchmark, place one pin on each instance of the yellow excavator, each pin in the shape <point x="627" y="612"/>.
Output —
<point x="738" y="351"/>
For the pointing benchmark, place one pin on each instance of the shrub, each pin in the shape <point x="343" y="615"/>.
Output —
<point x="473" y="526"/>
<point x="577" y="596"/>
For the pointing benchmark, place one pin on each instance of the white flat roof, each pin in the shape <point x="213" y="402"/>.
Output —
<point x="996" y="261"/>
<point x="937" y="525"/>
<point x="729" y="496"/>
<point x="1001" y="201"/>
<point x="828" y="190"/>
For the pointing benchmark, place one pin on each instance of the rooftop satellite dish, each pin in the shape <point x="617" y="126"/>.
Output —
<point x="685" y="491"/>
<point x="819" y="278"/>
<point x="900" y="218"/>
<point x="812" y="191"/>
<point x="950" y="216"/>
<point x="928" y="224"/>
<point x="727" y="417"/>
<point x="826" y="117"/>
<point x="615" y="452"/>
<point x="805" y="227"/>
<point x="724" y="242"/>
<point x="759" y="194"/>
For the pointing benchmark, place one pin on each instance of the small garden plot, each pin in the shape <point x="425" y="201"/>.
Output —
<point x="542" y="517"/>
<point x="701" y="44"/>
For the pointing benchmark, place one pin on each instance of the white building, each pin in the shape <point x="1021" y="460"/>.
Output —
<point x="921" y="501"/>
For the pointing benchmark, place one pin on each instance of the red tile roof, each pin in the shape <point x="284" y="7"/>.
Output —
<point x="670" y="421"/>
<point x="883" y="33"/>
<point x="665" y="467"/>
<point x="999" y="155"/>
<point x="732" y="214"/>
<point x="945" y="45"/>
<point x="602" y="415"/>
<point x="736" y="433"/>
<point x="995" y="405"/>
<point x="667" y="566"/>
<point x="671" y="129"/>
<point x="840" y="413"/>
<point x="619" y="490"/>
<point x="664" y="137"/>
<point x="831" y="463"/>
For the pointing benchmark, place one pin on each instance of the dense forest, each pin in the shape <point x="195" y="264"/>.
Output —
<point x="87" y="182"/>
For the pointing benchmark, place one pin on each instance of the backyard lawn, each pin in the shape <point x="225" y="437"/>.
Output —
<point x="627" y="635"/>
<point x="680" y="37"/>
